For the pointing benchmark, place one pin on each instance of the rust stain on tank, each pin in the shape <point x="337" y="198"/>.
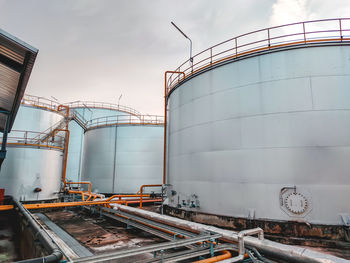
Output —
<point x="274" y="228"/>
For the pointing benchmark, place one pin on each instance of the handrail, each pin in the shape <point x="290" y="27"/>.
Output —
<point x="300" y="33"/>
<point x="76" y="114"/>
<point x="103" y="105"/>
<point x="31" y="138"/>
<point x="44" y="134"/>
<point x="41" y="102"/>
<point x="125" y="120"/>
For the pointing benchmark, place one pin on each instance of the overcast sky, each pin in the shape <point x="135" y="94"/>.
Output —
<point x="99" y="49"/>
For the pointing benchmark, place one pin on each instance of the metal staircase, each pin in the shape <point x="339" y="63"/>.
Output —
<point x="78" y="118"/>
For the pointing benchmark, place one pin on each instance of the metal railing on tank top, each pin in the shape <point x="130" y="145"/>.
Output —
<point x="296" y="34"/>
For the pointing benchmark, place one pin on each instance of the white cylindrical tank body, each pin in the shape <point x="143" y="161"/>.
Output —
<point x="76" y="142"/>
<point x="35" y="119"/>
<point x="264" y="137"/>
<point x="26" y="169"/>
<point x="121" y="158"/>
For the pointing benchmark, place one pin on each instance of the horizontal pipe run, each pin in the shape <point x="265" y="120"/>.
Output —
<point x="225" y="255"/>
<point x="120" y="196"/>
<point x="35" y="145"/>
<point x="82" y="203"/>
<point x="238" y="258"/>
<point x="55" y="254"/>
<point x="193" y="253"/>
<point x="287" y="252"/>
<point x="147" y="249"/>
<point x="173" y="230"/>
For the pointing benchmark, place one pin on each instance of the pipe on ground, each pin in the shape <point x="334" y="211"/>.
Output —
<point x="271" y="248"/>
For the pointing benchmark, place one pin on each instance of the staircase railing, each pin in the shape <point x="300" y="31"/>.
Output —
<point x="125" y="120"/>
<point x="34" y="139"/>
<point x="78" y="118"/>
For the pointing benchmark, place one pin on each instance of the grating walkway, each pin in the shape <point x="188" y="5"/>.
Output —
<point x="80" y="250"/>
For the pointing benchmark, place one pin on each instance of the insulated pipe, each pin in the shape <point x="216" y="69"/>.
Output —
<point x="165" y="117"/>
<point x="241" y="249"/>
<point x="248" y="232"/>
<point x="271" y="248"/>
<point x="120" y="196"/>
<point x="56" y="255"/>
<point x="225" y="255"/>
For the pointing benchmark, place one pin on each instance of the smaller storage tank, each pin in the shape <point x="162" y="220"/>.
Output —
<point x="33" y="167"/>
<point x="81" y="112"/>
<point x="32" y="170"/>
<point x="123" y="152"/>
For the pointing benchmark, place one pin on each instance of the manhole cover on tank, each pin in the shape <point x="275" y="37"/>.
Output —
<point x="296" y="203"/>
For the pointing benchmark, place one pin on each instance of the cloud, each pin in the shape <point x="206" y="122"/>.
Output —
<point x="290" y="11"/>
<point x="97" y="49"/>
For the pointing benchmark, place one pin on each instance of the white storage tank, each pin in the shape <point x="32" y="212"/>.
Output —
<point x="121" y="153"/>
<point x="85" y="111"/>
<point x="32" y="173"/>
<point x="264" y="134"/>
<point x="32" y="170"/>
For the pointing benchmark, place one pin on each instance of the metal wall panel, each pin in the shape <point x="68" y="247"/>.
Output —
<point x="35" y="119"/>
<point x="76" y="143"/>
<point x="75" y="151"/>
<point x="25" y="169"/>
<point x="138" y="158"/>
<point x="241" y="132"/>
<point x="120" y="159"/>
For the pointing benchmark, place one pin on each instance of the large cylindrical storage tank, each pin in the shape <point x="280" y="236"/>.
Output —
<point x="32" y="169"/>
<point x="121" y="155"/>
<point x="85" y="111"/>
<point x="264" y="136"/>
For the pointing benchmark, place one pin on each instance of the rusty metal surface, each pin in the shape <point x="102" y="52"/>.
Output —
<point x="324" y="238"/>
<point x="100" y="235"/>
